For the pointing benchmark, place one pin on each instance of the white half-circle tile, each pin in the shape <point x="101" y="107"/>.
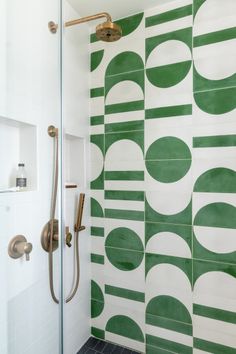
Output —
<point x="216" y="289"/>
<point x="216" y="61"/>
<point x="169" y="52"/>
<point x="125" y="91"/>
<point x="168" y="243"/>
<point x="166" y="279"/>
<point x="215" y="15"/>
<point x="97" y="161"/>
<point x="125" y="150"/>
<point x="216" y="239"/>
<point x="168" y="203"/>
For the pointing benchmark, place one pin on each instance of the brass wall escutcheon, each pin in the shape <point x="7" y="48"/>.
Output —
<point x="45" y="236"/>
<point x="19" y="247"/>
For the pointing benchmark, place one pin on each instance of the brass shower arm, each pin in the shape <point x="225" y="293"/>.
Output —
<point x="89" y="18"/>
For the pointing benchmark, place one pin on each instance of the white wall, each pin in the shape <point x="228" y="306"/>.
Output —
<point x="3" y="55"/>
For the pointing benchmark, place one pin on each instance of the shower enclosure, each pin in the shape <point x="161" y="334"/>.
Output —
<point x="39" y="88"/>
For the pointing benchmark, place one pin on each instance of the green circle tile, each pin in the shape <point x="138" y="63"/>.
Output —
<point x="124" y="249"/>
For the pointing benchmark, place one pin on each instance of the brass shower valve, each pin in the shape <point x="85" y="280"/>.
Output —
<point x="68" y="237"/>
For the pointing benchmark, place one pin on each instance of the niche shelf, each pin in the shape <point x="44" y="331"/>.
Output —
<point x="18" y="143"/>
<point x="74" y="161"/>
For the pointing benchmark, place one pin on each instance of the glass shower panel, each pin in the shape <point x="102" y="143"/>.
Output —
<point x="30" y="82"/>
<point x="75" y="151"/>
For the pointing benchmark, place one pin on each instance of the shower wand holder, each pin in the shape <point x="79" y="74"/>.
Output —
<point x="80" y="228"/>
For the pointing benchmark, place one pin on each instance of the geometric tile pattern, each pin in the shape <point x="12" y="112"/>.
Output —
<point x="163" y="180"/>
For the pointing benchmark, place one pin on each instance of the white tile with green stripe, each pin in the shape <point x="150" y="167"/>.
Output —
<point x="209" y="329"/>
<point x="166" y="18"/>
<point x="97" y="129"/>
<point x="97" y="245"/>
<point x="97" y="106"/>
<point x="167" y="335"/>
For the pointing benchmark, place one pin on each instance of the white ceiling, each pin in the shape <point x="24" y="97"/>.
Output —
<point x="116" y="8"/>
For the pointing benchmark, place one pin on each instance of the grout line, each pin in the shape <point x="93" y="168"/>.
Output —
<point x="215" y="89"/>
<point x="123" y="73"/>
<point x="123" y="131"/>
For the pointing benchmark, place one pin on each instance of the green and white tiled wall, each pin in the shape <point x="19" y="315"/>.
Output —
<point x="163" y="189"/>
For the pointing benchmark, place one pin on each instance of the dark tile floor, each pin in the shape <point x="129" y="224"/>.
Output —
<point x="97" y="346"/>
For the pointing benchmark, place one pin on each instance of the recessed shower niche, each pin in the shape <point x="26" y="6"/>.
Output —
<point x="18" y="144"/>
<point x="74" y="161"/>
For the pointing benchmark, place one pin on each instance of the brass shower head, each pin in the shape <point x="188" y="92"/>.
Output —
<point x="108" y="32"/>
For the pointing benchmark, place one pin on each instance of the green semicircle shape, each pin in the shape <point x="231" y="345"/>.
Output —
<point x="97" y="299"/>
<point x="96" y="209"/>
<point x="221" y="215"/>
<point x="96" y="58"/>
<point x="96" y="292"/>
<point x="217" y="180"/>
<point x="124" y="62"/>
<point x="168" y="171"/>
<point x="125" y="327"/>
<point x="168" y="75"/>
<point x="216" y="101"/>
<point x="168" y="307"/>
<point x="130" y="24"/>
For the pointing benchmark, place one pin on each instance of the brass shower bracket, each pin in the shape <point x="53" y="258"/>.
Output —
<point x="53" y="27"/>
<point x="52" y="131"/>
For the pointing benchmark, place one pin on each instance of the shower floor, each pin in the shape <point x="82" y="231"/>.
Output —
<point x="97" y="346"/>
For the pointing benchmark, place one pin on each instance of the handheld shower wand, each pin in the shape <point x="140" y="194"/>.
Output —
<point x="50" y="237"/>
